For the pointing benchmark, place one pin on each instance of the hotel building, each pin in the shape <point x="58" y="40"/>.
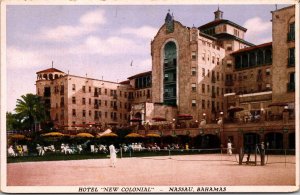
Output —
<point x="206" y="82"/>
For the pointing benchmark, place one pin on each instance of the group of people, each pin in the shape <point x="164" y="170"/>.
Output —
<point x="17" y="150"/>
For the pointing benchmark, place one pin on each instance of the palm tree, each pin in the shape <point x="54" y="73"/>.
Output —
<point x="31" y="109"/>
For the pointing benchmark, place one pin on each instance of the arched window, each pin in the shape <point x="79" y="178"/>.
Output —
<point x="45" y="76"/>
<point x="56" y="76"/>
<point x="169" y="73"/>
<point x="51" y="76"/>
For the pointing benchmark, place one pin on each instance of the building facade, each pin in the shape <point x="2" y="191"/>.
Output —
<point x="206" y="82"/>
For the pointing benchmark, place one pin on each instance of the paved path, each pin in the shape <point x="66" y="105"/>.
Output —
<point x="210" y="169"/>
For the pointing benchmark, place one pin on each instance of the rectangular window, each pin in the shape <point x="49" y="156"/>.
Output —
<point x="125" y="94"/>
<point x="105" y="103"/>
<point x="99" y="102"/>
<point x="203" y="56"/>
<point x="218" y="61"/>
<point x="268" y="71"/>
<point x="99" y="91"/>
<point x="105" y="114"/>
<point x="193" y="103"/>
<point x="194" y="55"/>
<point x="217" y="90"/>
<point x="291" y="60"/>
<point x="83" y="113"/>
<point x="90" y="113"/>
<point x="100" y="114"/>
<point x="96" y="115"/>
<point x="203" y="88"/>
<point x="208" y="103"/>
<point x="73" y="112"/>
<point x="105" y="91"/>
<point x="83" y="89"/>
<point x="291" y="33"/>
<point x="74" y="100"/>
<point x="90" y="88"/>
<point x="193" y="71"/>
<point x="90" y="101"/>
<point x="208" y="73"/>
<point x="83" y="101"/>
<point x="203" y="104"/>
<point x="218" y="76"/>
<point x="194" y="87"/>
<point x="208" y="89"/>
<point x="213" y="59"/>
<point x="203" y="72"/>
<point x="73" y="87"/>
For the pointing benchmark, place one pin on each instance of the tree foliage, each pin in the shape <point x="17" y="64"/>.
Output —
<point x="31" y="110"/>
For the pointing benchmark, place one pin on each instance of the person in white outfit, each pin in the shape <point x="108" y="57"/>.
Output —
<point x="229" y="148"/>
<point x="113" y="155"/>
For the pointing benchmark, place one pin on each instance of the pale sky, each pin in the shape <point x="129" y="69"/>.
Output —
<point x="103" y="40"/>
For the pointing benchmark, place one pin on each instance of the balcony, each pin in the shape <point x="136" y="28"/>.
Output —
<point x="291" y="87"/>
<point x="291" y="36"/>
<point x="291" y="62"/>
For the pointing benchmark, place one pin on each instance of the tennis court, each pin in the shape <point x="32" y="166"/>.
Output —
<point x="204" y="169"/>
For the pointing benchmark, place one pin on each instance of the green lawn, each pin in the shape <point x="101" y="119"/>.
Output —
<point x="60" y="156"/>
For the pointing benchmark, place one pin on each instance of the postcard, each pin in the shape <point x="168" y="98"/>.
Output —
<point x="149" y="97"/>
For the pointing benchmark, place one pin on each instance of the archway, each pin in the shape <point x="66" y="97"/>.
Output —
<point x="210" y="141"/>
<point x="292" y="141"/>
<point x="250" y="141"/>
<point x="275" y="140"/>
<point x="138" y="115"/>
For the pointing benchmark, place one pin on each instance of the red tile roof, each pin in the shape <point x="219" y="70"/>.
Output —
<point x="253" y="47"/>
<point x="140" y="75"/>
<point x="49" y="70"/>
<point x="125" y="82"/>
<point x="221" y="21"/>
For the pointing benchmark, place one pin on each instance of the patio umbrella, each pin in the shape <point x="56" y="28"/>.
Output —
<point x="53" y="134"/>
<point x="152" y="135"/>
<point x="130" y="135"/>
<point x="17" y="137"/>
<point x="84" y="135"/>
<point x="108" y="135"/>
<point x="156" y="119"/>
<point x="184" y="117"/>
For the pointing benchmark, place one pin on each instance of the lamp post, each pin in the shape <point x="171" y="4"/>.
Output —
<point x="173" y="123"/>
<point x="220" y="122"/>
<point x="262" y="113"/>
